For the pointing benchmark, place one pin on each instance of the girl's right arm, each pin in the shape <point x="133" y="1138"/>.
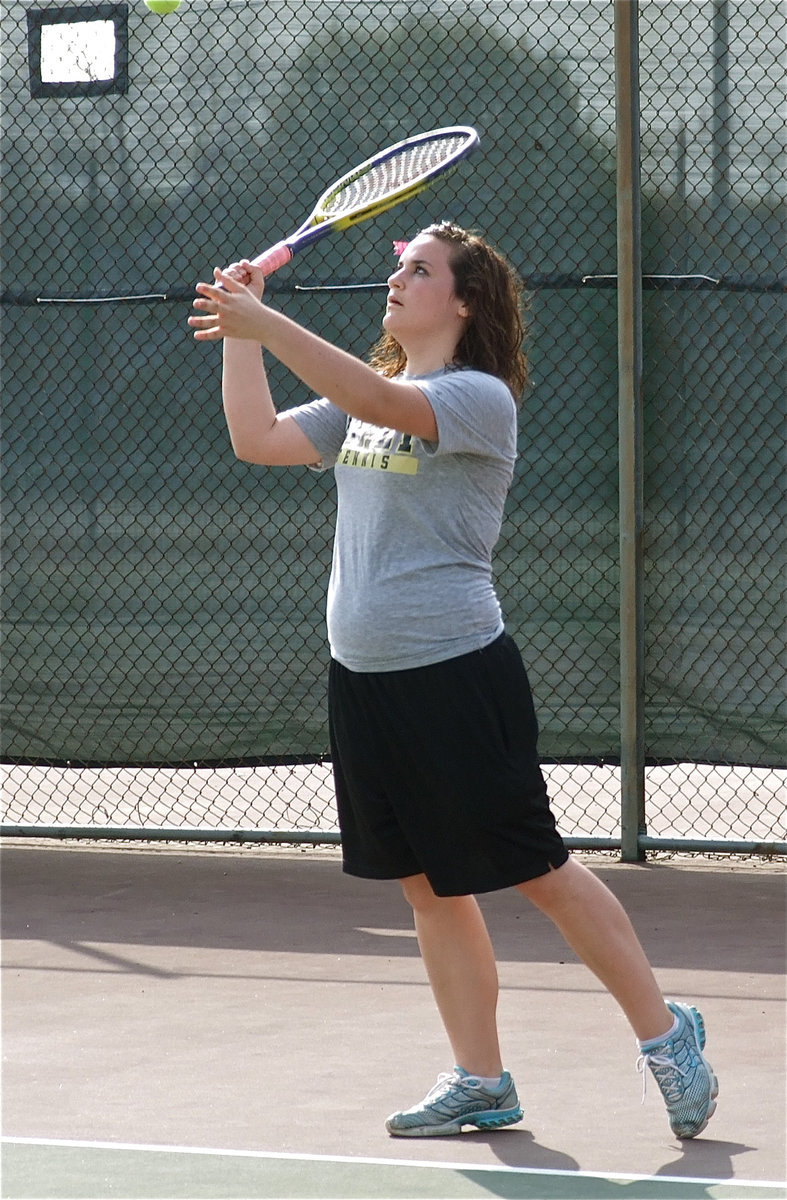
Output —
<point x="258" y="433"/>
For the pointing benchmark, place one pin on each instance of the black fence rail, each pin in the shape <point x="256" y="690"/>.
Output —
<point x="164" y="651"/>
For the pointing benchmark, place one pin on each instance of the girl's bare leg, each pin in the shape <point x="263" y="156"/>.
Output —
<point x="595" y="925"/>
<point x="460" y="964"/>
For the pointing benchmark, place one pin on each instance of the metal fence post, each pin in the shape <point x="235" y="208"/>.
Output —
<point x="632" y="737"/>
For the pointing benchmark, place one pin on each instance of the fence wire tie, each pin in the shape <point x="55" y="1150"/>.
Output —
<point x="100" y="299"/>
<point x="610" y="279"/>
<point x="337" y="287"/>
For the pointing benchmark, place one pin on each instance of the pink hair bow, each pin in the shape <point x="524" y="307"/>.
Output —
<point x="399" y="248"/>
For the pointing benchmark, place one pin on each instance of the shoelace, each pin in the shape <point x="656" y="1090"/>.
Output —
<point x="445" y="1082"/>
<point x="665" y="1070"/>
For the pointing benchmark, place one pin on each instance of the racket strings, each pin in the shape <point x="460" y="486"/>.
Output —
<point x="400" y="170"/>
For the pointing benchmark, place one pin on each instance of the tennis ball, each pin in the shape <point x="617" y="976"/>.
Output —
<point x="162" y="6"/>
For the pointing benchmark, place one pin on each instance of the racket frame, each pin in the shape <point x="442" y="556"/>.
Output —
<point x="319" y="225"/>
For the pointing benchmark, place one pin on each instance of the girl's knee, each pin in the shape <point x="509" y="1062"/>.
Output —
<point x="421" y="897"/>
<point x="417" y="891"/>
<point x="554" y="886"/>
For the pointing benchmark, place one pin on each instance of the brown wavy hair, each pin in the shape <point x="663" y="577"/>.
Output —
<point x="493" y="337"/>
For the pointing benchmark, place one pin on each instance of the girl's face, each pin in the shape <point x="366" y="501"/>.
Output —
<point x="421" y="300"/>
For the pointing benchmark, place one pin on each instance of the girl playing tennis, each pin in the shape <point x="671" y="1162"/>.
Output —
<point x="432" y="728"/>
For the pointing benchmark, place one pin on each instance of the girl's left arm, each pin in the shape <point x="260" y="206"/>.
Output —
<point x="234" y="312"/>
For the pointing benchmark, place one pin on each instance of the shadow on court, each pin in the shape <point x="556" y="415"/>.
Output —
<point x="239" y="1023"/>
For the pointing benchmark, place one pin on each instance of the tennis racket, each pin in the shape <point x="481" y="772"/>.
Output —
<point x="387" y="179"/>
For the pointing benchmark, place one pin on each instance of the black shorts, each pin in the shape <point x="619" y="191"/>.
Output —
<point x="436" y="772"/>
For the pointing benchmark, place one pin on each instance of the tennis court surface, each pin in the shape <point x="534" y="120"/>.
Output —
<point x="189" y="1023"/>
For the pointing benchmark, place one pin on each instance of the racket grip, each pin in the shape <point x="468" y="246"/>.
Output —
<point x="270" y="260"/>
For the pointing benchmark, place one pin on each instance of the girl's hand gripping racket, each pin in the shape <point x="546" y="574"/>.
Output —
<point x="392" y="176"/>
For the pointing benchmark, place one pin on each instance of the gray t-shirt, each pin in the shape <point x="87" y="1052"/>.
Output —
<point x="411" y="581"/>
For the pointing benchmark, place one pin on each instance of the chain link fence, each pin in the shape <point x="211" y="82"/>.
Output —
<point x="164" y="649"/>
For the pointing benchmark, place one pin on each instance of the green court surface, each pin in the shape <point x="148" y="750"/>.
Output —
<point x="97" y="1171"/>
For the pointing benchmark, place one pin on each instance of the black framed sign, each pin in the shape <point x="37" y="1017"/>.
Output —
<point x="79" y="50"/>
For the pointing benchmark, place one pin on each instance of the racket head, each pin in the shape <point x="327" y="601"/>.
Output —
<point x="394" y="175"/>
<point x="388" y="178"/>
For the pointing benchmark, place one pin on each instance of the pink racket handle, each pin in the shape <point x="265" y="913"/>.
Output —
<point x="270" y="260"/>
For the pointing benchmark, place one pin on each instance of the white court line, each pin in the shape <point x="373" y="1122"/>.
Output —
<point x="386" y="1162"/>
